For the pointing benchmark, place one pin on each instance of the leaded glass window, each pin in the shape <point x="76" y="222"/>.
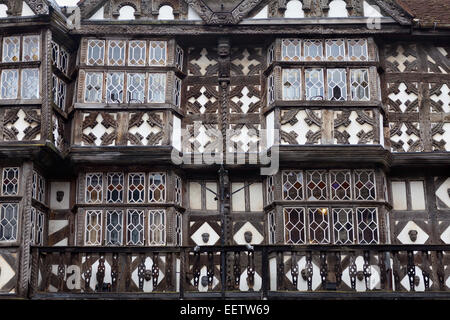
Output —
<point x="319" y="227"/>
<point x="179" y="229"/>
<point x="290" y="50"/>
<point x="113" y="230"/>
<point x="96" y="52"/>
<point x="314" y="84"/>
<point x="157" y="55"/>
<point x="93" y="234"/>
<point x="38" y="187"/>
<point x="30" y="49"/>
<point x="270" y="189"/>
<point x="357" y="50"/>
<point x="316" y="183"/>
<point x="359" y="79"/>
<point x="9" y="218"/>
<point x="291" y="84"/>
<point x="272" y="227"/>
<point x="55" y="53"/>
<point x="335" y="49"/>
<point x="10" y="181"/>
<point x="179" y="54"/>
<point x="270" y="89"/>
<point x="337" y="84"/>
<point x="114" y="87"/>
<point x="115" y="186"/>
<point x="30" y="84"/>
<point x="270" y="54"/>
<point x="137" y="53"/>
<point x="116" y="53"/>
<point x="157" y="227"/>
<point x="135" y="227"/>
<point x="157" y="87"/>
<point x="33" y="226"/>
<point x="59" y="89"/>
<point x="94" y="87"/>
<point x="63" y="61"/>
<point x="367" y="225"/>
<point x="136" y="187"/>
<point x="313" y="50"/>
<point x="94" y="188"/>
<point x="11" y="49"/>
<point x="157" y="187"/>
<point x="292" y="185"/>
<point x="364" y="185"/>
<point x="10" y="84"/>
<point x="343" y="225"/>
<point x="178" y="190"/>
<point x="39" y="235"/>
<point x="340" y="185"/>
<point x="135" y="87"/>
<point x="294" y="225"/>
<point x="177" y="92"/>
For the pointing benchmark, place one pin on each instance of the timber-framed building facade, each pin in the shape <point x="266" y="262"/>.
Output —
<point x="264" y="149"/>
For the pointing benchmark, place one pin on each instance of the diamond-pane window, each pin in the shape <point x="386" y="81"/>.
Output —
<point x="9" y="217"/>
<point x="316" y="183"/>
<point x="114" y="191"/>
<point x="10" y="84"/>
<point x="135" y="227"/>
<point x="270" y="189"/>
<point x="114" y="87"/>
<point x="11" y="49"/>
<point x="59" y="89"/>
<point x="270" y="54"/>
<point x="30" y="50"/>
<point x="38" y="187"/>
<point x="359" y="80"/>
<point x="10" y="181"/>
<point x="270" y="89"/>
<point x="271" y="223"/>
<point x="33" y="226"/>
<point x="335" y="49"/>
<point x="157" y="187"/>
<point x="337" y="84"/>
<point x="178" y="190"/>
<point x="135" y="87"/>
<point x="55" y="53"/>
<point x="313" y="50"/>
<point x="113" y="230"/>
<point x="319" y="226"/>
<point x="343" y="225"/>
<point x="357" y="50"/>
<point x="294" y="225"/>
<point x="96" y="52"/>
<point x="39" y="235"/>
<point x="157" y="53"/>
<point x="177" y="92"/>
<point x="157" y="87"/>
<point x="63" y="61"/>
<point x="94" y="86"/>
<point x="290" y="50"/>
<point x="292" y="185"/>
<point x="137" y="53"/>
<point x="367" y="225"/>
<point x="364" y="185"/>
<point x="179" y="229"/>
<point x="116" y="53"/>
<point x="314" y="84"/>
<point x="340" y="185"/>
<point x="93" y="235"/>
<point x="179" y="54"/>
<point x="291" y="84"/>
<point x="136" y="187"/>
<point x="157" y="227"/>
<point x="94" y="188"/>
<point x="30" y="84"/>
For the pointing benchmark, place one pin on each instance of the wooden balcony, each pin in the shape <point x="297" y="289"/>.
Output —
<point x="261" y="272"/>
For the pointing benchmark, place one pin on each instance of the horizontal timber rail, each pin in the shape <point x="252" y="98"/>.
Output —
<point x="251" y="272"/>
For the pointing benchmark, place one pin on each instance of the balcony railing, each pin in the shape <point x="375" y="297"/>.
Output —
<point x="258" y="273"/>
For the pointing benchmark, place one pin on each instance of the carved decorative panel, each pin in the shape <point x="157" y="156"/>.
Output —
<point x="246" y="61"/>
<point x="202" y="62"/>
<point x="202" y="137"/>
<point x="99" y="129"/>
<point x="403" y="97"/>
<point x="244" y="138"/>
<point x="145" y="128"/>
<point x="301" y="126"/>
<point x="22" y="124"/>
<point x="401" y="58"/>
<point x="354" y="127"/>
<point x="405" y="136"/>
<point x="245" y="99"/>
<point x="202" y="99"/>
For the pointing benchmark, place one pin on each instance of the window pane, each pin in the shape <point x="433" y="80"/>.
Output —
<point x="94" y="188"/>
<point x="30" y="48"/>
<point x="313" y="50"/>
<point x="290" y="50"/>
<point x="114" y="227"/>
<point x="319" y="231"/>
<point x="135" y="227"/>
<point x="8" y="221"/>
<point x="93" y="227"/>
<point x="335" y="49"/>
<point x="137" y="53"/>
<point x="337" y="84"/>
<point x="11" y="49"/>
<point x="177" y="92"/>
<point x="367" y="225"/>
<point x="157" y="87"/>
<point x="116" y="53"/>
<point x="10" y="83"/>
<point x="157" y="227"/>
<point x="157" y="53"/>
<point x="94" y="86"/>
<point x="314" y="84"/>
<point x="114" y="87"/>
<point x="343" y="226"/>
<point x="316" y="182"/>
<point x="114" y="192"/>
<point x="292" y="185"/>
<point x="136" y="187"/>
<point x="357" y="50"/>
<point x="291" y="84"/>
<point x="294" y="225"/>
<point x="30" y="84"/>
<point x="157" y="187"/>
<point x="136" y="87"/>
<point x="359" y="80"/>
<point x="179" y="58"/>
<point x="96" y="52"/>
<point x="364" y="185"/>
<point x="10" y="181"/>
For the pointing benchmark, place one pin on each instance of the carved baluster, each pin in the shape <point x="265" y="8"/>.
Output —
<point x="87" y="273"/>
<point x="396" y="271"/>
<point x="323" y="269"/>
<point x="237" y="270"/>
<point x="440" y="270"/>
<point x="280" y="271"/>
<point x="141" y="271"/>
<point x="367" y="269"/>
<point x="426" y="269"/>
<point x="196" y="268"/>
<point x="411" y="270"/>
<point x="382" y="266"/>
<point x="100" y="273"/>
<point x="294" y="269"/>
<point x="169" y="266"/>
<point x="251" y="270"/>
<point x="352" y="270"/>
<point x="210" y="270"/>
<point x="114" y="271"/>
<point x="155" y="270"/>
<point x="61" y="272"/>
<point x="338" y="269"/>
<point x="309" y="270"/>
